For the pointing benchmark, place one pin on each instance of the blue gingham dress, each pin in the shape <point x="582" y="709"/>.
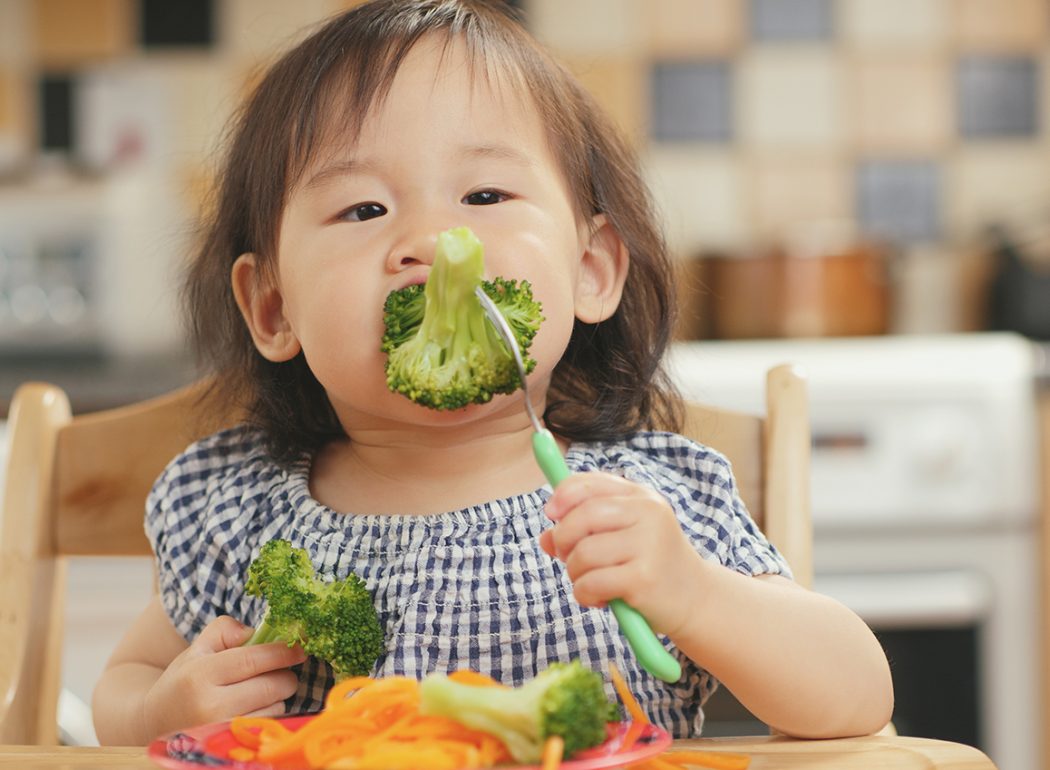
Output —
<point x="464" y="589"/>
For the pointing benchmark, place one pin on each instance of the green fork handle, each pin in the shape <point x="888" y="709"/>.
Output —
<point x="647" y="648"/>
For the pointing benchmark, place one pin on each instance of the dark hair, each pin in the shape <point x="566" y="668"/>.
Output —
<point x="610" y="381"/>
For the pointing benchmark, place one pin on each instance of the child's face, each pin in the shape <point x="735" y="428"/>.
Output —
<point x="444" y="149"/>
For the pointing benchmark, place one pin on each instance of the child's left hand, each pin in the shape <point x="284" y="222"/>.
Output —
<point x="619" y="539"/>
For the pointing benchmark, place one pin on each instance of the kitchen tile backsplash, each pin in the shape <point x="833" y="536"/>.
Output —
<point x="691" y="101"/>
<point x="695" y="27"/>
<point x="792" y="20"/>
<point x="999" y="25"/>
<point x="14" y="37"/>
<point x="899" y="200"/>
<point x="894" y="24"/>
<point x="915" y="120"/>
<point x="900" y="103"/>
<point x="620" y="84"/>
<point x="593" y="27"/>
<point x="791" y="99"/>
<point x="773" y="189"/>
<point x="998" y="96"/>
<point x="996" y="180"/>
<point x="700" y="194"/>
<point x="66" y="33"/>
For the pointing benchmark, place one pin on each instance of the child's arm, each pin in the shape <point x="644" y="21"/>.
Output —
<point x="801" y="662"/>
<point x="156" y="683"/>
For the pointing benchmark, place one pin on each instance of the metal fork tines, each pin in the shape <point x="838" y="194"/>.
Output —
<point x="507" y="335"/>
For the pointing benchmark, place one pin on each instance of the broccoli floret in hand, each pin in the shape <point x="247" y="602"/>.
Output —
<point x="566" y="699"/>
<point x="335" y="621"/>
<point x="442" y="351"/>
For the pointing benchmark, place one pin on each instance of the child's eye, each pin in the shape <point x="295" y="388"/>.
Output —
<point x="484" y="198"/>
<point x="363" y="211"/>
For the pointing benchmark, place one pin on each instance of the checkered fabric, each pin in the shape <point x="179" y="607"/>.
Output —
<point x="465" y="589"/>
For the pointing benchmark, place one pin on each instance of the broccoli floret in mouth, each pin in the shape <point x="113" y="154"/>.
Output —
<point x="442" y="350"/>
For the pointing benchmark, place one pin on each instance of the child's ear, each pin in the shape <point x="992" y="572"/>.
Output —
<point x="603" y="270"/>
<point x="262" y="306"/>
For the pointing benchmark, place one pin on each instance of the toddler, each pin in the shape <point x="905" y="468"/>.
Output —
<point x="393" y="122"/>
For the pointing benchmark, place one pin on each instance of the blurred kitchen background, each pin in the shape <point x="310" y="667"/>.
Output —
<point x="860" y="186"/>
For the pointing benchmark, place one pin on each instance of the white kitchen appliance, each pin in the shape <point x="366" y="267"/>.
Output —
<point x="925" y="499"/>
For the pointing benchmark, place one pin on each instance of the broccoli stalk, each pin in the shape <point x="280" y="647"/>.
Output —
<point x="442" y="351"/>
<point x="566" y="699"/>
<point x="335" y="621"/>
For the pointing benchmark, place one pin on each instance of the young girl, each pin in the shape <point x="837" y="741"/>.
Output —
<point x="392" y="123"/>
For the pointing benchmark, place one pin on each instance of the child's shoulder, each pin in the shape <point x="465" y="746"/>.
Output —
<point x="229" y="448"/>
<point x="230" y="462"/>
<point x="660" y="452"/>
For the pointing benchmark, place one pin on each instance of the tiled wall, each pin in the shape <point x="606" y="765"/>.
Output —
<point x="917" y="122"/>
<point x="913" y="120"/>
<point x="909" y="117"/>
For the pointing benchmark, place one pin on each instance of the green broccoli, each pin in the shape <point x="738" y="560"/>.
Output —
<point x="442" y="351"/>
<point x="335" y="621"/>
<point x="566" y="699"/>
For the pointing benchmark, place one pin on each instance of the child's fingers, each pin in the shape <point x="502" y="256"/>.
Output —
<point x="245" y="663"/>
<point x="606" y="549"/>
<point x="599" y="586"/>
<point x="580" y="487"/>
<point x="591" y="517"/>
<point x="273" y="710"/>
<point x="223" y="633"/>
<point x="265" y="693"/>
<point x="547" y="542"/>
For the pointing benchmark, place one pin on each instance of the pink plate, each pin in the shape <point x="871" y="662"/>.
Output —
<point x="209" y="746"/>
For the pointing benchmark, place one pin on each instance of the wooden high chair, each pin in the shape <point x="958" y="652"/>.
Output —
<point x="77" y="486"/>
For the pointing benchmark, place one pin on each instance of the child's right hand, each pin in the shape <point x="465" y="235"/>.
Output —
<point x="216" y="679"/>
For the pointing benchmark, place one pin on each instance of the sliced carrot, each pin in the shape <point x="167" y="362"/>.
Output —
<point x="344" y="688"/>
<point x="466" y="676"/>
<point x="252" y="731"/>
<point x="655" y="763"/>
<point x="629" y="702"/>
<point x="553" y="750"/>
<point x="371" y="724"/>
<point x="242" y="754"/>
<point x="375" y="724"/>
<point x="634" y="732"/>
<point x="715" y="760"/>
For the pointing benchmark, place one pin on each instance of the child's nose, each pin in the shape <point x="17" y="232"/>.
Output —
<point x="403" y="261"/>
<point x="415" y="248"/>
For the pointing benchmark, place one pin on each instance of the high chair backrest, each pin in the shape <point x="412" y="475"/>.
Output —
<point x="77" y="486"/>
<point x="770" y="456"/>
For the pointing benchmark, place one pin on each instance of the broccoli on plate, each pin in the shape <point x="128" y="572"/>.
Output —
<point x="566" y="699"/>
<point x="335" y="621"/>
<point x="442" y="351"/>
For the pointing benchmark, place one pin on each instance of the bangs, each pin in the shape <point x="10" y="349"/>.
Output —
<point x="349" y="88"/>
<point x="316" y="99"/>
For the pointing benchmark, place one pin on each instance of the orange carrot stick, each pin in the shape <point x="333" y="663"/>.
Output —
<point x="629" y="702"/>
<point x="371" y="724"/>
<point x="466" y="676"/>
<point x="553" y="750"/>
<point x="655" y="763"/>
<point x="634" y="732"/>
<point x="715" y="760"/>
<point x="241" y="754"/>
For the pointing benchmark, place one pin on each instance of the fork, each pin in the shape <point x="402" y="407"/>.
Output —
<point x="647" y="648"/>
